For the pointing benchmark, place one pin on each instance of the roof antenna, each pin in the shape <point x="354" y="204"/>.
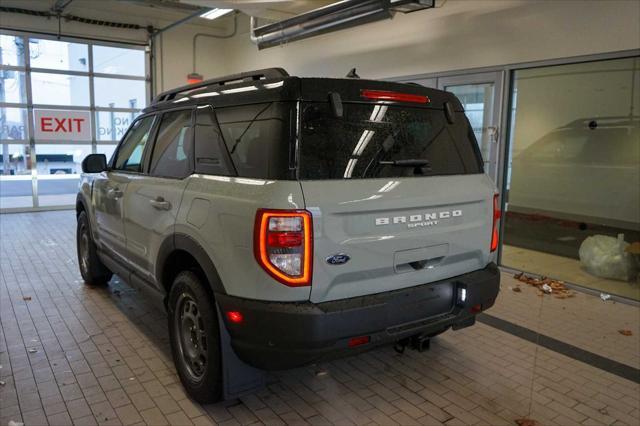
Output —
<point x="353" y="74"/>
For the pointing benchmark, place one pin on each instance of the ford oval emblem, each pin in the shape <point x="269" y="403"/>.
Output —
<point x="338" y="259"/>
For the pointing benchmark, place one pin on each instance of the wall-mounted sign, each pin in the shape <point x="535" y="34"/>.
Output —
<point x="60" y="125"/>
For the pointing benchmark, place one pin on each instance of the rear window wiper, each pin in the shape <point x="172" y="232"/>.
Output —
<point x="412" y="162"/>
<point x="419" y="165"/>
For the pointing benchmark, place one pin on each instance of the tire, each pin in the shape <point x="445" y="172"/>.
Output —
<point x="92" y="269"/>
<point x="195" y="337"/>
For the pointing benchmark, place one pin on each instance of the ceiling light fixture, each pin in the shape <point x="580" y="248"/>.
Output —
<point x="215" y="13"/>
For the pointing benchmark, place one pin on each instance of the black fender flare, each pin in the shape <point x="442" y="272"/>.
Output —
<point x="187" y="244"/>
<point x="80" y="200"/>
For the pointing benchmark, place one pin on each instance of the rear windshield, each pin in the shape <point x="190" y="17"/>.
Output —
<point x="384" y="141"/>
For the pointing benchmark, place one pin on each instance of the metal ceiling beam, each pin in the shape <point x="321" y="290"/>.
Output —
<point x="180" y="22"/>
<point x="166" y="4"/>
<point x="59" y="6"/>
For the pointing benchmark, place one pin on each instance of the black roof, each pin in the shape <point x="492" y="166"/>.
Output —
<point x="275" y="84"/>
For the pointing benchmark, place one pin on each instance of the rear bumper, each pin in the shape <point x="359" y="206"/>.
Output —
<point x="277" y="335"/>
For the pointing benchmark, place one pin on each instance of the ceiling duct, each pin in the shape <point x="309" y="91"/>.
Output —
<point x="408" y="6"/>
<point x="336" y="16"/>
<point x="333" y="17"/>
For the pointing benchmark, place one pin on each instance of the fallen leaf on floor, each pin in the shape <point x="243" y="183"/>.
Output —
<point x="546" y="285"/>
<point x="633" y="248"/>
<point x="527" y="422"/>
<point x="517" y="289"/>
<point x="26" y="298"/>
<point x="625" y="332"/>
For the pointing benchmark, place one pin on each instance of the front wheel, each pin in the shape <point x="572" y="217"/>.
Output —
<point x="195" y="337"/>
<point x="92" y="269"/>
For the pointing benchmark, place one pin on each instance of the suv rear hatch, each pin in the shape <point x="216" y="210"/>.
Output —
<point x="396" y="189"/>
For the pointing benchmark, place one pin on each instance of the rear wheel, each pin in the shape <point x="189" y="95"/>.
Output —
<point x="92" y="269"/>
<point x="195" y="339"/>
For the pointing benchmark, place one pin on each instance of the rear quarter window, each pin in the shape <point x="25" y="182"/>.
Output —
<point x="258" y="138"/>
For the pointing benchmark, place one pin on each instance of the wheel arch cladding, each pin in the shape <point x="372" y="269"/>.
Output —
<point x="80" y="205"/>
<point x="179" y="252"/>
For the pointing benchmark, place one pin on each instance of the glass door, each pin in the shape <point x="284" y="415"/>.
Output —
<point x="481" y="96"/>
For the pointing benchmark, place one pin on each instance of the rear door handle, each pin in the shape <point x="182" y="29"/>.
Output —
<point x="160" y="203"/>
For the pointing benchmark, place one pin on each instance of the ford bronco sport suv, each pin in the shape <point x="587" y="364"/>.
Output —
<point x="296" y="219"/>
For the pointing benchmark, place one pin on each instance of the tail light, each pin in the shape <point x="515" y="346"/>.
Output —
<point x="495" y="235"/>
<point x="283" y="245"/>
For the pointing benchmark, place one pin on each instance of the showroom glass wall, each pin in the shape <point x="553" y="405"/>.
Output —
<point x="39" y="73"/>
<point x="567" y="138"/>
<point x="573" y="174"/>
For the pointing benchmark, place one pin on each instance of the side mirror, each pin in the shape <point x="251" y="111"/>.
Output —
<point x="94" y="163"/>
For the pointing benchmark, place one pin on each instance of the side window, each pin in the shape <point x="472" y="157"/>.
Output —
<point x="172" y="153"/>
<point x="130" y="153"/>
<point x="257" y="138"/>
<point x="210" y="152"/>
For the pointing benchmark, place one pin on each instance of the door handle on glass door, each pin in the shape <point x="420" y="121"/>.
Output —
<point x="493" y="133"/>
<point x="160" y="203"/>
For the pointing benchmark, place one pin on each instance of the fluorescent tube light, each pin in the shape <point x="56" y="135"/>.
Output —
<point x="215" y="13"/>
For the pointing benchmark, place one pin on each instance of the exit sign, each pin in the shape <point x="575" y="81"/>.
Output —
<point x="60" y="125"/>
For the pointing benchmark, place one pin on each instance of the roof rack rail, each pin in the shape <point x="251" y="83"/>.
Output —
<point x="267" y="73"/>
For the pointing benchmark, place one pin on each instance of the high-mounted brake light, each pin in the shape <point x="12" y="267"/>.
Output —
<point x="495" y="235"/>
<point x="385" y="95"/>
<point x="283" y="245"/>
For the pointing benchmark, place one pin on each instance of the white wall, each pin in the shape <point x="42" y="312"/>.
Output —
<point x="174" y="56"/>
<point x="460" y="35"/>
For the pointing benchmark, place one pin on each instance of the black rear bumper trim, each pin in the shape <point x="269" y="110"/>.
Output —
<point x="280" y="335"/>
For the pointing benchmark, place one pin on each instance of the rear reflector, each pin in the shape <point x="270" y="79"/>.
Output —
<point x="385" y="95"/>
<point x="283" y="246"/>
<point x="475" y="308"/>
<point x="235" y="317"/>
<point x="495" y="235"/>
<point x="358" y="341"/>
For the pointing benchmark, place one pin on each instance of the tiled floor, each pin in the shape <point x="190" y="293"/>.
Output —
<point x="567" y="269"/>
<point x="75" y="354"/>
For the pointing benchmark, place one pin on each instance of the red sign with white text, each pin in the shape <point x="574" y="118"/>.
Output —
<point x="60" y="125"/>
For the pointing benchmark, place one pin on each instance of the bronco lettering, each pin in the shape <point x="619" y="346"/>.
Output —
<point x="415" y="220"/>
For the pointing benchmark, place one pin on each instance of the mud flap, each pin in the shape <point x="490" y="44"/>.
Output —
<point x="464" y="323"/>
<point x="238" y="378"/>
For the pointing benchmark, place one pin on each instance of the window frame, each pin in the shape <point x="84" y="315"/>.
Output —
<point x="157" y="123"/>
<point x="146" y="156"/>
<point x="222" y="146"/>
<point x="24" y="65"/>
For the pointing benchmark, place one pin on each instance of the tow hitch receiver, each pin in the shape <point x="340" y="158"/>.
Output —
<point x="419" y="342"/>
